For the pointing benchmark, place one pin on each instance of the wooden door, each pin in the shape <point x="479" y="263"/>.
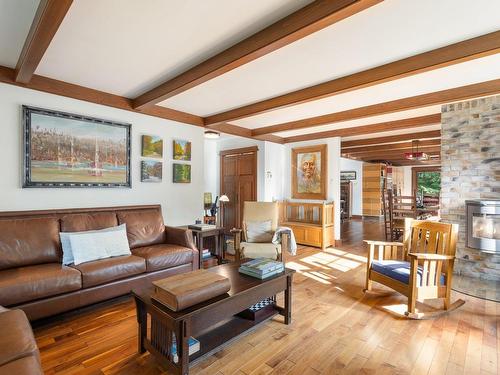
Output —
<point x="238" y="182"/>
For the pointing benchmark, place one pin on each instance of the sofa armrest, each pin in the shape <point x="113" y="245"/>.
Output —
<point x="182" y="237"/>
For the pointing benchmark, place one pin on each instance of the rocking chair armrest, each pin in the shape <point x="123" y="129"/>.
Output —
<point x="383" y="243"/>
<point x="425" y="256"/>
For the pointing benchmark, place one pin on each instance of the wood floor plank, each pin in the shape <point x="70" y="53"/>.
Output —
<point x="336" y="329"/>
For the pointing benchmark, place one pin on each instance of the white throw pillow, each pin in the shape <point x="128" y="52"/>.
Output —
<point x="66" y="243"/>
<point x="87" y="247"/>
<point x="259" y="231"/>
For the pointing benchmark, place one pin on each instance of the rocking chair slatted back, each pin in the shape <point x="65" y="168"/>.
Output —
<point x="430" y="237"/>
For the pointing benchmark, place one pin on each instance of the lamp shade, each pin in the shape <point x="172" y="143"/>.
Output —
<point x="224" y="198"/>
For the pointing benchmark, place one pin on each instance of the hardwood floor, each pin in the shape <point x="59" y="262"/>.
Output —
<point x="336" y="329"/>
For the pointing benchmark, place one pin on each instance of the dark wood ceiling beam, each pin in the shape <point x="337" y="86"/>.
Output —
<point x="392" y="138"/>
<point x="313" y="17"/>
<point x="392" y="146"/>
<point x="394" y="153"/>
<point x="52" y="86"/>
<point x="414" y="122"/>
<point x="470" y="49"/>
<point x="440" y="97"/>
<point x="48" y="18"/>
<point x="246" y="133"/>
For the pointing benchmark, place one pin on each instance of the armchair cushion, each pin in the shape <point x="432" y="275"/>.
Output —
<point x="259" y="231"/>
<point x="260" y="250"/>
<point x="398" y="270"/>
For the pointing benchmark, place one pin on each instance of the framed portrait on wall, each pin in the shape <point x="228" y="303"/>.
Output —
<point x="67" y="150"/>
<point x="310" y="172"/>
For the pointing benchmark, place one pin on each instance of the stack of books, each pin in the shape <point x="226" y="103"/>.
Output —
<point x="262" y="268"/>
<point x="202" y="226"/>
<point x="206" y="254"/>
<point x="194" y="346"/>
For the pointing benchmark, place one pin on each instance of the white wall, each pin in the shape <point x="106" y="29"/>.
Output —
<point x="357" y="185"/>
<point x="211" y="167"/>
<point x="333" y="190"/>
<point x="182" y="203"/>
<point x="274" y="171"/>
<point x="407" y="178"/>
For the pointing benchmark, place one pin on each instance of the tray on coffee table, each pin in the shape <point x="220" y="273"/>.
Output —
<point x="214" y="323"/>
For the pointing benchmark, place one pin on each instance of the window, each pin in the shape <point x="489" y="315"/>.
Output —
<point x="427" y="181"/>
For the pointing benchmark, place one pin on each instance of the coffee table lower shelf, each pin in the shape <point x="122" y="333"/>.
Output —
<point x="218" y="336"/>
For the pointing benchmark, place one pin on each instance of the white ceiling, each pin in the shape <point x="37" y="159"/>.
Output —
<point x="366" y="121"/>
<point x="475" y="71"/>
<point x="389" y="31"/>
<point x="128" y="46"/>
<point x="16" y="17"/>
<point x="394" y="132"/>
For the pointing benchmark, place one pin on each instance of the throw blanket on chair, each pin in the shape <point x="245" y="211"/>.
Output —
<point x="292" y="245"/>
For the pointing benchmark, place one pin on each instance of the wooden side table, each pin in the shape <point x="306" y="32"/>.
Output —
<point x="217" y="234"/>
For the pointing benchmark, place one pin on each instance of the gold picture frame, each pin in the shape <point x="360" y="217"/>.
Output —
<point x="310" y="172"/>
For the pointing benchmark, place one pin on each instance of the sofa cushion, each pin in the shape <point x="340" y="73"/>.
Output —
<point x="23" y="284"/>
<point x="159" y="257"/>
<point x="105" y="270"/>
<point x="23" y="366"/>
<point x="85" y="222"/>
<point x="29" y="241"/>
<point x="17" y="339"/>
<point x="398" y="270"/>
<point x="144" y="227"/>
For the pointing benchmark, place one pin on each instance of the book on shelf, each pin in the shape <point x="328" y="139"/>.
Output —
<point x="202" y="226"/>
<point x="260" y="275"/>
<point x="262" y="266"/>
<point x="194" y="346"/>
<point x="206" y="254"/>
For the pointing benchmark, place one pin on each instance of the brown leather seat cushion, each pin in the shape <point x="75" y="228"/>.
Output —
<point x="16" y="340"/>
<point x="29" y="241"/>
<point x="84" y="222"/>
<point x="23" y="284"/>
<point x="105" y="270"/>
<point x="23" y="366"/>
<point x="144" y="228"/>
<point x="159" y="257"/>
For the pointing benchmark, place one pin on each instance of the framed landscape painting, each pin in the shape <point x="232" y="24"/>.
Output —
<point x="182" y="173"/>
<point x="67" y="150"/>
<point x="309" y="172"/>
<point x="182" y="150"/>
<point x="151" y="171"/>
<point x="152" y="146"/>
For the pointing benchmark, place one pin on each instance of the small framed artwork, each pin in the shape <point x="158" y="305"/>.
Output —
<point x="152" y="146"/>
<point x="182" y="150"/>
<point x="151" y="171"/>
<point x="68" y="150"/>
<point x="309" y="172"/>
<point x="182" y="173"/>
<point x="348" y="175"/>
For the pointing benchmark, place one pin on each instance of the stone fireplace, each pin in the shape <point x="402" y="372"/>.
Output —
<point x="470" y="170"/>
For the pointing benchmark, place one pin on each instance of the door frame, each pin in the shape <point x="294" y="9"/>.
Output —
<point x="239" y="151"/>
<point x="415" y="170"/>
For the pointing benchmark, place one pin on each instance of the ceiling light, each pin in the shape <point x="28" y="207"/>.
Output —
<point x="210" y="134"/>
<point x="415" y="154"/>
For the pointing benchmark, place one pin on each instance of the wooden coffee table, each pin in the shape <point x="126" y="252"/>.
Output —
<point x="214" y="323"/>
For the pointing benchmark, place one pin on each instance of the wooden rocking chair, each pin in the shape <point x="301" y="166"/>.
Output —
<point x="420" y="268"/>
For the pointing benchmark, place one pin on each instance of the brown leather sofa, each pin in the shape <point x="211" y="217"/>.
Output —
<point x="18" y="351"/>
<point x="32" y="277"/>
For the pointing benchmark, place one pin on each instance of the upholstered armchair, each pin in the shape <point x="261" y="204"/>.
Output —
<point x="420" y="268"/>
<point x="253" y="240"/>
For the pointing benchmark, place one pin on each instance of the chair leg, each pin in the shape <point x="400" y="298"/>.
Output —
<point x="368" y="286"/>
<point x="412" y="304"/>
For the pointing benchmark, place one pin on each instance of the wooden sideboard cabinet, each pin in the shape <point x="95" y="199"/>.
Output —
<point x="312" y="223"/>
